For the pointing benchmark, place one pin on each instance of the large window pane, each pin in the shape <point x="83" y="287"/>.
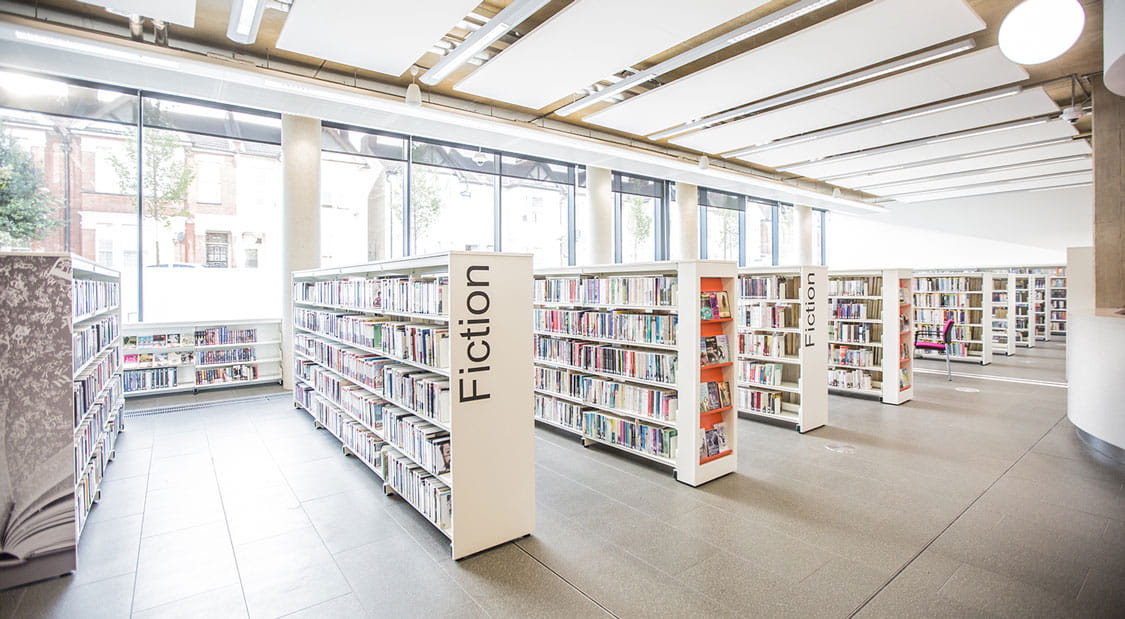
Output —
<point x="452" y="209"/>
<point x="534" y="219"/>
<point x="759" y="234"/>
<point x="818" y="237"/>
<point x="361" y="209"/>
<point x="637" y="231"/>
<point x="788" y="239"/>
<point x="722" y="233"/>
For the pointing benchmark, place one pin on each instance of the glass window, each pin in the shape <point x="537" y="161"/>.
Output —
<point x="535" y="218"/>
<point x="722" y="233"/>
<point x="455" y="156"/>
<point x="759" y="233"/>
<point x="251" y="261"/>
<point x="361" y="212"/>
<point x="452" y="209"/>
<point x="218" y="250"/>
<point x="788" y="239"/>
<point x="637" y="228"/>
<point x="209" y="179"/>
<point x="818" y="236"/>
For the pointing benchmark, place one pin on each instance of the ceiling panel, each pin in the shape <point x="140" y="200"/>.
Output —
<point x="936" y="149"/>
<point x="181" y="12"/>
<point x="973" y="72"/>
<point x="1033" y="102"/>
<point x="590" y="40"/>
<point x="978" y="178"/>
<point x="386" y="37"/>
<point x="886" y="28"/>
<point x="981" y="162"/>
<point x="1003" y="187"/>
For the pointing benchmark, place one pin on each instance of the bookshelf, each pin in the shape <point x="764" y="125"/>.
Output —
<point x="172" y="357"/>
<point x="782" y="348"/>
<point x="1025" y="318"/>
<point x="1003" y="313"/>
<point x="420" y="367"/>
<point x="1057" y="301"/>
<point x="967" y="299"/>
<point x="1040" y="294"/>
<point x="625" y="356"/>
<point x="61" y="414"/>
<point x="871" y="334"/>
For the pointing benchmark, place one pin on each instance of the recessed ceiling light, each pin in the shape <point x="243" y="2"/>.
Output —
<point x="1037" y="31"/>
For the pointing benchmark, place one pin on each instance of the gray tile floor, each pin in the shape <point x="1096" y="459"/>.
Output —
<point x="956" y="504"/>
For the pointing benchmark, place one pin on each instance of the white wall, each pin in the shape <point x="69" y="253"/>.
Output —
<point x="1010" y="229"/>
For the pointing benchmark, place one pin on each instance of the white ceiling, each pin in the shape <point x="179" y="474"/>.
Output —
<point x="180" y="12"/>
<point x="886" y="28"/>
<point x="968" y="73"/>
<point x="1033" y="102"/>
<point x="976" y="178"/>
<point x="386" y="37"/>
<point x="590" y="40"/>
<point x="1001" y="187"/>
<point x="934" y="149"/>
<point x="966" y="164"/>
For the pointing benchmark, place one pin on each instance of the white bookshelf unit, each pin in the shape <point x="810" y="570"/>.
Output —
<point x="782" y="323"/>
<point x="1056" y="321"/>
<point x="1040" y="294"/>
<point x="170" y="357"/>
<point x="1003" y="313"/>
<point x="871" y="334"/>
<point x="966" y="298"/>
<point x="624" y="357"/>
<point x="1025" y="318"/>
<point x="62" y="413"/>
<point x="421" y="368"/>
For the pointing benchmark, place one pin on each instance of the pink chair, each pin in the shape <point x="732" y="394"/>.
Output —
<point x="939" y="342"/>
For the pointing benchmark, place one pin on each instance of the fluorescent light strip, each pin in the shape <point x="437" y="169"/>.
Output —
<point x="927" y="162"/>
<point x="982" y="132"/>
<point x="1011" y="181"/>
<point x="938" y="195"/>
<point x="96" y="50"/>
<point x="877" y="71"/>
<point x="245" y="19"/>
<point x="863" y="124"/>
<point x="741" y="34"/>
<point x="953" y="175"/>
<point x="512" y="15"/>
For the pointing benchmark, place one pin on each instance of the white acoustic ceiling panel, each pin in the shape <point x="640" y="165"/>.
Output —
<point x="1029" y="103"/>
<point x="979" y="178"/>
<point x="1065" y="180"/>
<point x="973" y="72"/>
<point x="179" y="12"/>
<point x="1072" y="148"/>
<point x="590" y="40"/>
<point x="936" y="149"/>
<point x="863" y="36"/>
<point x="386" y="37"/>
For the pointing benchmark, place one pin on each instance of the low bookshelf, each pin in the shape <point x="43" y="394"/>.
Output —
<point x="1003" y="313"/>
<point x="639" y="357"/>
<point x="871" y="334"/>
<point x="1025" y="317"/>
<point x="62" y="413"/>
<point x="1056" y="321"/>
<point x="966" y="298"/>
<point x="782" y="347"/>
<point x="420" y="367"/>
<point x="1040" y="293"/>
<point x="170" y="357"/>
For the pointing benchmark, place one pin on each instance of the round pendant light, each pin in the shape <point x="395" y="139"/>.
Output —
<point x="1040" y="30"/>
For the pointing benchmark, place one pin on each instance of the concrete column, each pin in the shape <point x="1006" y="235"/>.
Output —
<point x="597" y="225"/>
<point x="687" y="216"/>
<point x="300" y="204"/>
<point x="805" y="230"/>
<point x="1109" y="198"/>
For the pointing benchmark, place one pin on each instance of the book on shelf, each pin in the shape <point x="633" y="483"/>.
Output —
<point x="713" y="395"/>
<point x="713" y="441"/>
<point x="714" y="350"/>
<point x="714" y="305"/>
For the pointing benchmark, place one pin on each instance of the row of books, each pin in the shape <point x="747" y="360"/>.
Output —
<point x="615" y="325"/>
<point x="86" y="488"/>
<point x="362" y="367"/>
<point x="225" y="335"/>
<point x="654" y="366"/>
<point x="423" y="442"/>
<point x="150" y="379"/>
<point x="768" y="317"/>
<point x="759" y="401"/>
<point x="88" y="387"/>
<point x="854" y="311"/>
<point x="768" y="287"/>
<point x="936" y="299"/>
<point x="713" y="350"/>
<point x="960" y="349"/>
<point x="657" y="290"/>
<point x="769" y="344"/>
<point x="947" y="284"/>
<point x="1058" y="304"/>
<point x="864" y="287"/>
<point x="768" y="374"/>
<point x="89" y="433"/>
<point x="850" y="379"/>
<point x="424" y="393"/>
<point x="90" y="340"/>
<point x="230" y="374"/>
<point x="560" y="412"/>
<point x="855" y="332"/>
<point x="429" y="295"/>
<point x="713" y="395"/>
<point x="713" y="305"/>
<point x="594" y="390"/>
<point x="361" y="441"/>
<point x="353" y="398"/>
<point x="428" y="494"/>
<point x="92" y="296"/>
<point x="159" y="359"/>
<point x="842" y="355"/>
<point x="631" y="434"/>
<point x="226" y="355"/>
<point x="940" y="316"/>
<point x="425" y="344"/>
<point x="158" y="340"/>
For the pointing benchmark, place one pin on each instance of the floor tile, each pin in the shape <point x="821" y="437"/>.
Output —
<point x="64" y="597"/>
<point x="287" y="573"/>
<point x="177" y="565"/>
<point x="224" y="603"/>
<point x="108" y="548"/>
